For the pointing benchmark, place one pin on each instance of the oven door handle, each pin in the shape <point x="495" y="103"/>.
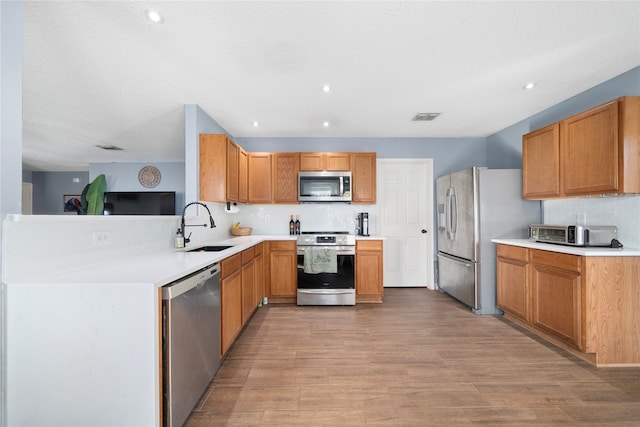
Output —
<point x="326" y="291"/>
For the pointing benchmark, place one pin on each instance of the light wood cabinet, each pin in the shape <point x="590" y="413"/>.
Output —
<point x="325" y="161"/>
<point x="230" y="301"/>
<point x="259" y="177"/>
<point x="243" y="176"/>
<point x="541" y="163"/>
<point x="599" y="153"/>
<point x="556" y="288"/>
<point x="218" y="168"/>
<point x="363" y="178"/>
<point x="230" y="174"/>
<point x="284" y="169"/>
<point x="513" y="293"/>
<point x="248" y="279"/>
<point x="283" y="269"/>
<point x="368" y="264"/>
<point x="258" y="280"/>
<point x="589" y="305"/>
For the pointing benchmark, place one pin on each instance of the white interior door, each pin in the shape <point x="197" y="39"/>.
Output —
<point x="405" y="219"/>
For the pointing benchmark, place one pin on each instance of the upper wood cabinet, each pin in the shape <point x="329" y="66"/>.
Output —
<point x="218" y="168"/>
<point x="259" y="178"/>
<point x="363" y="178"/>
<point x="230" y="174"/>
<point x="541" y="163"/>
<point x="325" y="161"/>
<point x="599" y="153"/>
<point x="284" y="169"/>
<point x="243" y="176"/>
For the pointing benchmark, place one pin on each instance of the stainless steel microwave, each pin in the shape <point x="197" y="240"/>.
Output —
<point x="324" y="187"/>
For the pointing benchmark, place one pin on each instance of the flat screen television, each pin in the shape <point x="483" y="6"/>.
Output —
<point x="140" y="203"/>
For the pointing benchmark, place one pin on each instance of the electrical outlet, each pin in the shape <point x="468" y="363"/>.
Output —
<point x="101" y="238"/>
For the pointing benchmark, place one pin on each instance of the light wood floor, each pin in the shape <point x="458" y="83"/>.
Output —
<point x="418" y="359"/>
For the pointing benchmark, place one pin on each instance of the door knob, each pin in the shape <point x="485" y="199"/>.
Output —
<point x="424" y="231"/>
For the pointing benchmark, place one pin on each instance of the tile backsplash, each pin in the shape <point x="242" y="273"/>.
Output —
<point x="621" y="211"/>
<point x="274" y="219"/>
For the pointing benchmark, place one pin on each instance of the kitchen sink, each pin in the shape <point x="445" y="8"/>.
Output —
<point x="210" y="248"/>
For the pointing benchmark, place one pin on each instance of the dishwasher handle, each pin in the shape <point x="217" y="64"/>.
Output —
<point x="191" y="281"/>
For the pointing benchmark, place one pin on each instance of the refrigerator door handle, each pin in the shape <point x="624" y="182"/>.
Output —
<point x="447" y="212"/>
<point x="453" y="213"/>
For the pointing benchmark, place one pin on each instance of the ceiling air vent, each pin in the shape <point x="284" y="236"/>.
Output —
<point x="424" y="117"/>
<point x="109" y="147"/>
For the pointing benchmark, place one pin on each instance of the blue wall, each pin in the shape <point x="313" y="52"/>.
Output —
<point x="49" y="189"/>
<point x="504" y="149"/>
<point x="449" y="154"/>
<point x="124" y="177"/>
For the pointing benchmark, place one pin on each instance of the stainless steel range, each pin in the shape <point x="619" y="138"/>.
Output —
<point x="326" y="273"/>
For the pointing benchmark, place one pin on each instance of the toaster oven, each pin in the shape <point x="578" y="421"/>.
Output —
<point x="576" y="235"/>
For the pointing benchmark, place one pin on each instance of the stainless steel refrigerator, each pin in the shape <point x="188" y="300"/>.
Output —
<point x="476" y="205"/>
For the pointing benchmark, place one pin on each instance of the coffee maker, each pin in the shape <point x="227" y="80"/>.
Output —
<point x="362" y="224"/>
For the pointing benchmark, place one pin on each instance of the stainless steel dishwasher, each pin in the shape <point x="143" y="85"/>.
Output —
<point x="190" y="340"/>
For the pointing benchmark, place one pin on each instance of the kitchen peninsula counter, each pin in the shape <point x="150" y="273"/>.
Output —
<point x="85" y="320"/>
<point x="157" y="268"/>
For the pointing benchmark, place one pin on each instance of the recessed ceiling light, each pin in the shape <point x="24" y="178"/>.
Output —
<point x="154" y="16"/>
<point x="326" y="124"/>
<point x="529" y="85"/>
<point x="326" y="88"/>
<point x="255" y="124"/>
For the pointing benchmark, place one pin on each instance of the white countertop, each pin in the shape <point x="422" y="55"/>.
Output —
<point x="573" y="250"/>
<point x="162" y="267"/>
<point x="156" y="268"/>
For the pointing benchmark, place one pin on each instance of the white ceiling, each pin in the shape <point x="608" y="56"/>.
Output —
<point x="99" y="73"/>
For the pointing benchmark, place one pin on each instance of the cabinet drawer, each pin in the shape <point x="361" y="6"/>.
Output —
<point x="369" y="245"/>
<point x="283" y="245"/>
<point x="513" y="252"/>
<point x="257" y="249"/>
<point x="230" y="265"/>
<point x="247" y="255"/>
<point x="556" y="259"/>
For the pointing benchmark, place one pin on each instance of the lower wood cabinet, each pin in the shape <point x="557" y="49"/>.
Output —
<point x="511" y="272"/>
<point x="230" y="300"/>
<point x="557" y="296"/>
<point x="588" y="303"/>
<point x="282" y="269"/>
<point x="258" y="279"/>
<point x="369" y="280"/>
<point x="248" y="278"/>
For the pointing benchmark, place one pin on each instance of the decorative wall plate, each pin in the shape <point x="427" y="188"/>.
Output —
<point x="149" y="176"/>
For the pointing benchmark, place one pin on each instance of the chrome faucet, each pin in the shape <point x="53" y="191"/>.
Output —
<point x="181" y="230"/>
